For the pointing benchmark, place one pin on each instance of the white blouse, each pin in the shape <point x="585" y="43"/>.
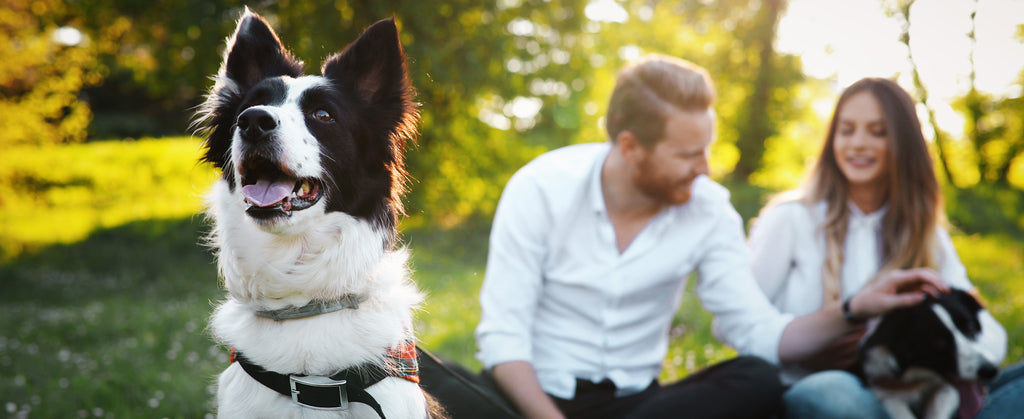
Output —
<point x="787" y="244"/>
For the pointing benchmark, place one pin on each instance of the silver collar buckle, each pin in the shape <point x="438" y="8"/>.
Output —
<point x="315" y="392"/>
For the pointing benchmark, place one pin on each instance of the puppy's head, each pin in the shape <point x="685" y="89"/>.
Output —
<point x="294" y="147"/>
<point x="940" y="334"/>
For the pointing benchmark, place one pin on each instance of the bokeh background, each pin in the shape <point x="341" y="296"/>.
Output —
<point x="106" y="288"/>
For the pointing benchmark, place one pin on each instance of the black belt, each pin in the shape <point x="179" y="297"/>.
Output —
<point x="587" y="387"/>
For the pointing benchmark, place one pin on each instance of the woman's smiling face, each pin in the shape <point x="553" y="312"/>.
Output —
<point x="861" y="144"/>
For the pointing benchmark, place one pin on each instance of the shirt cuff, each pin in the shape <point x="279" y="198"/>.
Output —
<point x="501" y="348"/>
<point x="762" y="340"/>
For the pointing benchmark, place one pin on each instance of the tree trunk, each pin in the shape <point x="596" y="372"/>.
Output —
<point x="757" y="126"/>
<point x="940" y="137"/>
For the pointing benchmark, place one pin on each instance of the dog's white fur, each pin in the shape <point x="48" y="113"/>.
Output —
<point x="921" y="387"/>
<point x="334" y="254"/>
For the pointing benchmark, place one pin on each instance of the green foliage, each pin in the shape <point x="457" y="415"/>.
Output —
<point x="499" y="82"/>
<point x="41" y="75"/>
<point x="994" y="151"/>
<point x="987" y="209"/>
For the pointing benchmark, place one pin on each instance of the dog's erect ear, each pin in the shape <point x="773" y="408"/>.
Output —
<point x="373" y="68"/>
<point x="255" y="52"/>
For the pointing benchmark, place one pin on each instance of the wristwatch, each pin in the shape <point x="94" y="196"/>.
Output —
<point x="848" y="314"/>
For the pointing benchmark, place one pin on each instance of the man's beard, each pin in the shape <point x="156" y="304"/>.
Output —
<point x="660" y="189"/>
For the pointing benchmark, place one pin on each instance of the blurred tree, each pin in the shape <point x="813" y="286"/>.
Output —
<point x="901" y="9"/>
<point x="992" y="125"/>
<point x="984" y="172"/>
<point x="992" y="142"/>
<point x="159" y="63"/>
<point x="731" y="39"/>
<point x="755" y="123"/>
<point x="491" y="81"/>
<point x="499" y="82"/>
<point x="45" y="61"/>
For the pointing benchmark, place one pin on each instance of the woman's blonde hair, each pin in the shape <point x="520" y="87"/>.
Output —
<point x="913" y="196"/>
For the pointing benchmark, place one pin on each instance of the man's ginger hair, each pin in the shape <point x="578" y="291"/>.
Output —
<point x="648" y="90"/>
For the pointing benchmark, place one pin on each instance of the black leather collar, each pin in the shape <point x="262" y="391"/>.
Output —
<point x="326" y="393"/>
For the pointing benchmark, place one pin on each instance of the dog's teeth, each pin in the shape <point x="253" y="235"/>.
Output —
<point x="304" y="189"/>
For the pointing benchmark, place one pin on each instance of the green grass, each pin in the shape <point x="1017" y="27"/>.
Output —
<point x="107" y="317"/>
<point x="115" y="325"/>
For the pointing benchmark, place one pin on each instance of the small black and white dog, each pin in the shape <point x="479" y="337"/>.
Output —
<point x="928" y="360"/>
<point x="319" y="311"/>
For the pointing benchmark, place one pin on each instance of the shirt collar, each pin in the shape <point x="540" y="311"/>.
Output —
<point x="858" y="217"/>
<point x="596" y="193"/>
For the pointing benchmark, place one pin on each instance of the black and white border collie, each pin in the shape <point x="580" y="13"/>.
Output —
<point x="931" y="360"/>
<point x="319" y="307"/>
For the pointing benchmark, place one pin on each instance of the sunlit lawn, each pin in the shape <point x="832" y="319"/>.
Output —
<point x="114" y="324"/>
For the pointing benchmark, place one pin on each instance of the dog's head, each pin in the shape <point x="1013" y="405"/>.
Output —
<point x="294" y="147"/>
<point x="940" y="334"/>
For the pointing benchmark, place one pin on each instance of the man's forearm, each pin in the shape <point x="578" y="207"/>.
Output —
<point x="518" y="381"/>
<point x="808" y="334"/>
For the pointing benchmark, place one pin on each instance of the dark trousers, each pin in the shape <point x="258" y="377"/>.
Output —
<point x="462" y="393"/>
<point x="744" y="387"/>
<point x="741" y="388"/>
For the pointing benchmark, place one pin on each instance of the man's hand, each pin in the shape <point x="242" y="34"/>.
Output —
<point x="839" y="354"/>
<point x="518" y="381"/>
<point x="896" y="289"/>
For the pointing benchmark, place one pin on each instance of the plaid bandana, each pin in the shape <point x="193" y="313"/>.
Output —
<point x="403" y="362"/>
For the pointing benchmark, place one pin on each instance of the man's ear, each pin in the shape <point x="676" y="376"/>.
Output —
<point x="629" y="146"/>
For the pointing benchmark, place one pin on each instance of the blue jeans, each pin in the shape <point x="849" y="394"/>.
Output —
<point x="1005" y="394"/>
<point x="838" y="394"/>
<point x="831" y="394"/>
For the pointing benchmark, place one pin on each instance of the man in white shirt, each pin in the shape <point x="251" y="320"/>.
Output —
<point x="590" y="249"/>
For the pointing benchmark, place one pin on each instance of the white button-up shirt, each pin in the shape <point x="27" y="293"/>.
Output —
<point x="558" y="294"/>
<point x="787" y="243"/>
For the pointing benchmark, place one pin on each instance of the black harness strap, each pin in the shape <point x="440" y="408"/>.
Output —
<point x="351" y="387"/>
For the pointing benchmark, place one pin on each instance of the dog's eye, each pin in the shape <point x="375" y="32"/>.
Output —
<point x="323" y="116"/>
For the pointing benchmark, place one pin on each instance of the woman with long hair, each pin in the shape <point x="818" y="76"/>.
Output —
<point x="870" y="210"/>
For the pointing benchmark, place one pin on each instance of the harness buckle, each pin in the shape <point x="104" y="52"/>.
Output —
<point x="317" y="392"/>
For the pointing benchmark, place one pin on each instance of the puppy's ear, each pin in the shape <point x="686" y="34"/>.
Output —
<point x="373" y="69"/>
<point x="255" y="52"/>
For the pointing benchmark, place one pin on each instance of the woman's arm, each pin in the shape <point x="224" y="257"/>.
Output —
<point x="807" y="335"/>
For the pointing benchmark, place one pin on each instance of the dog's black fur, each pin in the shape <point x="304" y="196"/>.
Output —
<point x="370" y="95"/>
<point x="914" y="359"/>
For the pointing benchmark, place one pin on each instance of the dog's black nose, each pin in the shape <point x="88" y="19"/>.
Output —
<point x="255" y="123"/>
<point x="987" y="372"/>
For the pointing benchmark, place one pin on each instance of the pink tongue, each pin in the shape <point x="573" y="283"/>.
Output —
<point x="265" y="194"/>
<point x="971" y="398"/>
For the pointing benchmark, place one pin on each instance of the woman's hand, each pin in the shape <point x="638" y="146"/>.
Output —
<point x="896" y="289"/>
